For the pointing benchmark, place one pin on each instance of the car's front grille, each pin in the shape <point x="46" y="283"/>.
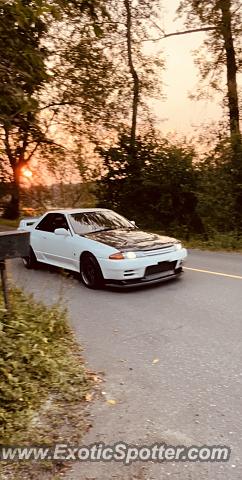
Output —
<point x="160" y="268"/>
<point x="158" y="251"/>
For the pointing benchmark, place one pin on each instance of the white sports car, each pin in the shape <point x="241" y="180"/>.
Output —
<point x="104" y="247"/>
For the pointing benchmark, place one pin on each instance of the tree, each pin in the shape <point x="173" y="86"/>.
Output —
<point x="113" y="63"/>
<point x="215" y="183"/>
<point x="22" y="77"/>
<point x="75" y="81"/>
<point x="139" y="17"/>
<point x="223" y="22"/>
<point x="166" y="187"/>
<point x="139" y="73"/>
<point x="24" y="73"/>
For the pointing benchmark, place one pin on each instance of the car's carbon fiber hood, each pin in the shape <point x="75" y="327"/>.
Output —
<point x="132" y="239"/>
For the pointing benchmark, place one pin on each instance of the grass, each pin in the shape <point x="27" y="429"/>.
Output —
<point x="227" y="242"/>
<point x="43" y="383"/>
<point x="218" y="242"/>
<point x="9" y="223"/>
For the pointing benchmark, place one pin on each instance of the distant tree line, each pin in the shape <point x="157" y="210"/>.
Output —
<point x="173" y="189"/>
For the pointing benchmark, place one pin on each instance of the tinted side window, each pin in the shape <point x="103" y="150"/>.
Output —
<point x="59" y="221"/>
<point x="46" y="224"/>
<point x="52" y="221"/>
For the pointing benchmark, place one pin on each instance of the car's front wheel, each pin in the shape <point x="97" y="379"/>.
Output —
<point x="30" y="261"/>
<point x="90" y="271"/>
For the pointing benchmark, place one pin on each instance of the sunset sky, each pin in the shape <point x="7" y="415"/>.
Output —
<point x="180" y="77"/>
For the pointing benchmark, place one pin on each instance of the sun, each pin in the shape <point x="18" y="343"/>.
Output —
<point x="26" y="172"/>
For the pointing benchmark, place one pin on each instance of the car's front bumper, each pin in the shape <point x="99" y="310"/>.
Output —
<point x="145" y="280"/>
<point x="142" y="269"/>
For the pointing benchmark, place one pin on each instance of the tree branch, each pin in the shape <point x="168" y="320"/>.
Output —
<point x="59" y="104"/>
<point x="38" y="143"/>
<point x="9" y="152"/>
<point x="184" y="32"/>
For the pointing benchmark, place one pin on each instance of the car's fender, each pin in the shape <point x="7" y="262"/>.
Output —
<point x="98" y="249"/>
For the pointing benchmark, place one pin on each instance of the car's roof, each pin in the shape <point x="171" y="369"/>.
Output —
<point x="76" y="210"/>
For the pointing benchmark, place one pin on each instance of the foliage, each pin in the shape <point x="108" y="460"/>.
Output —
<point x="158" y="189"/>
<point x="215" y="241"/>
<point x="97" y="68"/>
<point x="71" y="82"/>
<point x="36" y="358"/>
<point x="215" y="189"/>
<point x="223" y="51"/>
<point x="42" y="198"/>
<point x="228" y="242"/>
<point x="27" y="67"/>
<point x="82" y="79"/>
<point x="22" y="77"/>
<point x="169" y="187"/>
<point x="23" y="74"/>
<point x="211" y="59"/>
<point x="9" y="223"/>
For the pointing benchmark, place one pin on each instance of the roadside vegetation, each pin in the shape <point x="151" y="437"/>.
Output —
<point x="44" y="383"/>
<point x="173" y="190"/>
<point x="4" y="222"/>
<point x="218" y="242"/>
<point x="215" y="243"/>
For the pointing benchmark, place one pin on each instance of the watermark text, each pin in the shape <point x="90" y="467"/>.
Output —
<point x="118" y="452"/>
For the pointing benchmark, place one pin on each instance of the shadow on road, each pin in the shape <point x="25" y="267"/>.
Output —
<point x="114" y="288"/>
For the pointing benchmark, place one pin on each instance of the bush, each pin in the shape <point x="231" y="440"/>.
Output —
<point x="37" y="356"/>
<point x="155" y="184"/>
<point x="164" y="185"/>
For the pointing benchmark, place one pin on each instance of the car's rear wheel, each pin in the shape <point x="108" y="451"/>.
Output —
<point x="90" y="272"/>
<point x="30" y="261"/>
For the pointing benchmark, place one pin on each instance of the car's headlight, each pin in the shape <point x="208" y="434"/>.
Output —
<point x="130" y="255"/>
<point x="178" y="246"/>
<point x="123" y="256"/>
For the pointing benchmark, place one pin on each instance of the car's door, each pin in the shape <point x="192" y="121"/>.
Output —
<point x="39" y="237"/>
<point x="55" y="249"/>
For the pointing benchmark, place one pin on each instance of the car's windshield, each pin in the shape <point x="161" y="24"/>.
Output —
<point x="90" y="222"/>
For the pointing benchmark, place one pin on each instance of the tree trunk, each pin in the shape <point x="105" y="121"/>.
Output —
<point x="233" y="102"/>
<point x="12" y="210"/>
<point x="134" y="74"/>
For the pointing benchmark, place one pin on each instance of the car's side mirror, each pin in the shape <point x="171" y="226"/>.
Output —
<point x="62" y="232"/>
<point x="133" y="223"/>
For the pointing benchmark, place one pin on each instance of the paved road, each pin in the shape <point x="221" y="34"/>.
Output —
<point x="192" y="395"/>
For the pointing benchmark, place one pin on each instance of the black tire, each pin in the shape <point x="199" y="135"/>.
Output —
<point x="90" y="272"/>
<point x="30" y="261"/>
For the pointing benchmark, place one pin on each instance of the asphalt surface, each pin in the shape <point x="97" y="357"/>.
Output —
<point x="191" y="395"/>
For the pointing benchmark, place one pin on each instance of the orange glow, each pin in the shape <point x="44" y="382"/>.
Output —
<point x="27" y="173"/>
<point x="117" y="256"/>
